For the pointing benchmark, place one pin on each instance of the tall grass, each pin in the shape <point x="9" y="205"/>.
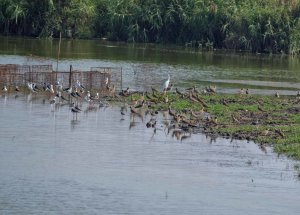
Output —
<point x="270" y="26"/>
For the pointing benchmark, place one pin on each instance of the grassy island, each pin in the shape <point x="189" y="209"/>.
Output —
<point x="265" y="119"/>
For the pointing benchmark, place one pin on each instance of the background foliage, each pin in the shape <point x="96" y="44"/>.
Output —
<point x="271" y="26"/>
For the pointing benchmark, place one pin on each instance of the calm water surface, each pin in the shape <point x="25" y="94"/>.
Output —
<point x="148" y="65"/>
<point x="51" y="163"/>
<point x="99" y="164"/>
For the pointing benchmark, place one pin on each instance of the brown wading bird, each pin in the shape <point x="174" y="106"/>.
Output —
<point x="224" y="102"/>
<point x="192" y="98"/>
<point x="136" y="112"/>
<point x="149" y="97"/>
<point x="260" y="108"/>
<point x="125" y="92"/>
<point x="185" y="136"/>
<point x="198" y="114"/>
<point x="154" y="90"/>
<point x="241" y="91"/>
<point x="178" y="92"/>
<point x="193" y="89"/>
<point x="178" y="118"/>
<point x="140" y="105"/>
<point x="235" y="119"/>
<point x="212" y="120"/>
<point x="189" y="89"/>
<point x="204" y="104"/>
<point x="177" y="133"/>
<point x="133" y="110"/>
<point x="265" y="132"/>
<point x="211" y="89"/>
<point x="195" y="114"/>
<point x="280" y="132"/>
<point x="171" y="112"/>
<point x="142" y="97"/>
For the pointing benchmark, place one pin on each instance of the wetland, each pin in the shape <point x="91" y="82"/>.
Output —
<point x="106" y="162"/>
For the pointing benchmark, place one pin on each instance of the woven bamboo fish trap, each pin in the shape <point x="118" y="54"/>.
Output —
<point x="94" y="79"/>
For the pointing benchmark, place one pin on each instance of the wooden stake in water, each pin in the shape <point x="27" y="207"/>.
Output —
<point x="70" y="82"/>
<point x="121" y="79"/>
<point x="58" y="53"/>
<point x="70" y="76"/>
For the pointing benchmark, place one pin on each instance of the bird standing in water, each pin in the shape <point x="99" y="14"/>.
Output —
<point x="75" y="109"/>
<point x="106" y="82"/>
<point x="17" y="89"/>
<point x="166" y="84"/>
<point x="4" y="89"/>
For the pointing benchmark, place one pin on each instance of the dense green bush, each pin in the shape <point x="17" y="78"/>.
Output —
<point x="46" y="18"/>
<point x="270" y="26"/>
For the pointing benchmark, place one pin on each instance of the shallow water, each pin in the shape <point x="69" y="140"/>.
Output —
<point x="146" y="65"/>
<point x="51" y="163"/>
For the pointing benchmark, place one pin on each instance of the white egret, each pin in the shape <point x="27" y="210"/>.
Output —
<point x="166" y="84"/>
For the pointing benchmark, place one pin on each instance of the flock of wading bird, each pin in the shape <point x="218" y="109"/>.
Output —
<point x="141" y="104"/>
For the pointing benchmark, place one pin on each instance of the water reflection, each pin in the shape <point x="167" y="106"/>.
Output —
<point x="147" y="65"/>
<point x="106" y="162"/>
<point x="50" y="162"/>
<point x="74" y="124"/>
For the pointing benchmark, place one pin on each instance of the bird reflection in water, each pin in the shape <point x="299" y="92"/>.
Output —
<point x="74" y="124"/>
<point x="132" y="121"/>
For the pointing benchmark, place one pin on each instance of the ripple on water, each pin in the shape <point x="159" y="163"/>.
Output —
<point x="51" y="163"/>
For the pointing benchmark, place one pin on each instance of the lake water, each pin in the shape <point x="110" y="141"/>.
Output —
<point x="51" y="163"/>
<point x="148" y="65"/>
<point x="101" y="163"/>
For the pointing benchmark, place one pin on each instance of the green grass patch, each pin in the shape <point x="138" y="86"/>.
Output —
<point x="265" y="119"/>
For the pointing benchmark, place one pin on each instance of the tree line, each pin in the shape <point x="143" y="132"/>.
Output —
<point x="270" y="26"/>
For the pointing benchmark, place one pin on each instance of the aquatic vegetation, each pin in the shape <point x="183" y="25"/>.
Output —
<point x="202" y="24"/>
<point x="263" y="119"/>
